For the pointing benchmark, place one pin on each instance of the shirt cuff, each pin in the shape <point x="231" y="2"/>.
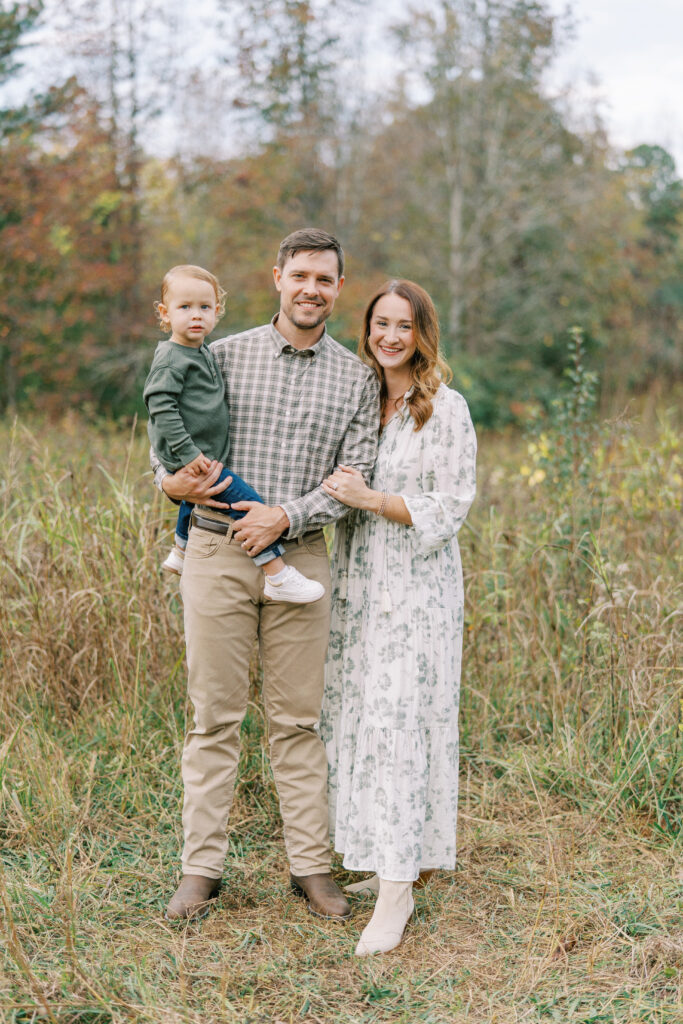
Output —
<point x="297" y="515"/>
<point x="160" y="474"/>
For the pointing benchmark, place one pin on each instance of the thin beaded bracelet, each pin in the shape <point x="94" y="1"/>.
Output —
<point x="383" y="503"/>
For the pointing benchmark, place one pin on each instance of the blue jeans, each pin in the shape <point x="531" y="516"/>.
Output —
<point x="238" y="490"/>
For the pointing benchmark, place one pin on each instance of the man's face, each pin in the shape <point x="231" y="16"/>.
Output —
<point x="308" y="285"/>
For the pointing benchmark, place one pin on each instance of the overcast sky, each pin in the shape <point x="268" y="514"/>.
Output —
<point x="628" y="54"/>
<point x="635" y="49"/>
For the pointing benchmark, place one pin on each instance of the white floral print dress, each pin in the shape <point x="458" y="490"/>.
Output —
<point x="390" y="711"/>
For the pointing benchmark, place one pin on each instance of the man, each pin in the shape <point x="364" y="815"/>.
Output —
<point x="300" y="404"/>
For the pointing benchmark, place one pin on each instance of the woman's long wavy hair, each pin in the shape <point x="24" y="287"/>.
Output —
<point x="428" y="367"/>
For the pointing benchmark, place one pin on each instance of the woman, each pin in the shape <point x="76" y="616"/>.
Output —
<point x="390" y="712"/>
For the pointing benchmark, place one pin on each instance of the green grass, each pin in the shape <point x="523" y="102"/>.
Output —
<point x="567" y="901"/>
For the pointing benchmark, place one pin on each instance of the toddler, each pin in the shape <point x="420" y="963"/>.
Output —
<point x="189" y="418"/>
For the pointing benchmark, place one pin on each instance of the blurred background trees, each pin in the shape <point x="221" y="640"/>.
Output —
<point x="134" y="136"/>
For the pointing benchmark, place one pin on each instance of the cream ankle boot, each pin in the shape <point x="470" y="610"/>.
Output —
<point x="385" y="928"/>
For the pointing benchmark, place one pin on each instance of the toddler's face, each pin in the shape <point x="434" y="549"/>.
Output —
<point x="190" y="308"/>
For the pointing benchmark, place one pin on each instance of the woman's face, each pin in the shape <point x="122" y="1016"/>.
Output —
<point x="391" y="338"/>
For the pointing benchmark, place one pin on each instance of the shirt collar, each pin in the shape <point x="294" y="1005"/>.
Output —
<point x="281" y="345"/>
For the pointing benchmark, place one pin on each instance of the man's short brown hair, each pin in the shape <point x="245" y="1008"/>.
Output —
<point x="309" y="240"/>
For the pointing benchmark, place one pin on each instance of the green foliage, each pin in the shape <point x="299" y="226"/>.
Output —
<point x="15" y="20"/>
<point x="565" y="439"/>
<point x="660" y="190"/>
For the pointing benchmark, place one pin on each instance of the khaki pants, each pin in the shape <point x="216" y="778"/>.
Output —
<point x="225" y="613"/>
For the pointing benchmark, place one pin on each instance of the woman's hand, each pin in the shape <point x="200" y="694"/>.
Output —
<point x="348" y="486"/>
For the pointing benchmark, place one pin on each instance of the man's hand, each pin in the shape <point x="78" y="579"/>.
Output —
<point x="184" y="485"/>
<point x="262" y="525"/>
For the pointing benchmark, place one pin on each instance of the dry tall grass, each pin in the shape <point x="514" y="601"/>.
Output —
<point x="566" y="905"/>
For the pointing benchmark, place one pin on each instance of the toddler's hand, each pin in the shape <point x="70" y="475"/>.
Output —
<point x="199" y="466"/>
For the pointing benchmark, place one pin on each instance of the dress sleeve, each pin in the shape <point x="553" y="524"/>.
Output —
<point x="448" y="474"/>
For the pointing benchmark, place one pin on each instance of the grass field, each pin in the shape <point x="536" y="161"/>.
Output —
<point x="567" y="902"/>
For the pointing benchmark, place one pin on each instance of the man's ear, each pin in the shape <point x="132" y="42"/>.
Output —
<point x="277" y="277"/>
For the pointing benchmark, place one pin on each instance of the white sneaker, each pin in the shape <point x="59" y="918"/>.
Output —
<point x="295" y="587"/>
<point x="175" y="561"/>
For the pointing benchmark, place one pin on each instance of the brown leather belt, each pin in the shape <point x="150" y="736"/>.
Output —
<point x="214" y="526"/>
<point x="204" y="523"/>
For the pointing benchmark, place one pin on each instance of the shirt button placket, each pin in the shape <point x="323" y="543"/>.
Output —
<point x="301" y="364"/>
<point x="291" y="356"/>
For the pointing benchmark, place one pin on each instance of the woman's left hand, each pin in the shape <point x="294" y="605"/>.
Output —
<point x="348" y="486"/>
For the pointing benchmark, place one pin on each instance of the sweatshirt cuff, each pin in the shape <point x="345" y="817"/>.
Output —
<point x="186" y="453"/>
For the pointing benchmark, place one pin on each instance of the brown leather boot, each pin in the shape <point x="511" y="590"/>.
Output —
<point x="192" y="898"/>
<point x="423" y="878"/>
<point x="325" y="898"/>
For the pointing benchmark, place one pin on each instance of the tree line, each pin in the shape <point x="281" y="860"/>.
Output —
<point x="135" y="136"/>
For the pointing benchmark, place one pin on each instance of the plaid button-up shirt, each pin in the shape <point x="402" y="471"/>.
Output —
<point x="295" y="414"/>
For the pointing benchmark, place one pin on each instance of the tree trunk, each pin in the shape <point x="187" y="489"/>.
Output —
<point x="456" y="261"/>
